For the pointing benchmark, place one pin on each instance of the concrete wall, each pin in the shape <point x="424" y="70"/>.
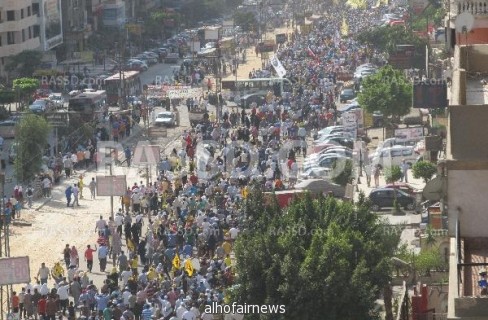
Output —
<point x="473" y="58"/>
<point x="467" y="127"/>
<point x="467" y="201"/>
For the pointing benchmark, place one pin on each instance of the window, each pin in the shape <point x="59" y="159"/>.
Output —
<point x="10" y="37"/>
<point x="35" y="9"/>
<point x="407" y="152"/>
<point x="21" y="13"/>
<point x="1" y="44"/>
<point x="30" y="32"/>
<point x="37" y="31"/>
<point x="10" y="15"/>
<point x="29" y="13"/>
<point x="23" y="35"/>
<point x="396" y="153"/>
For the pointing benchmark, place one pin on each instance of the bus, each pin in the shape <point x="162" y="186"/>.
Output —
<point x="131" y="82"/>
<point x="88" y="106"/>
<point x="258" y="86"/>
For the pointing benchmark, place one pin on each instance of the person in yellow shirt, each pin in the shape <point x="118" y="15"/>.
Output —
<point x="81" y="185"/>
<point x="228" y="261"/>
<point x="227" y="247"/>
<point x="152" y="274"/>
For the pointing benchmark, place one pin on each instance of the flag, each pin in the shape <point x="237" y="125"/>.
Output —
<point x="311" y="53"/>
<point x="176" y="262"/>
<point x="276" y="63"/>
<point x="189" y="267"/>
<point x="344" y="28"/>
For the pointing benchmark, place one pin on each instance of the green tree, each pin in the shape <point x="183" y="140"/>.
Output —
<point x="387" y="91"/>
<point x="25" y="87"/>
<point x="24" y="63"/>
<point x="315" y="260"/>
<point x="32" y="138"/>
<point x="424" y="169"/>
<point x="430" y="260"/>
<point x="246" y="20"/>
<point x="393" y="174"/>
<point x="345" y="175"/>
<point x="385" y="39"/>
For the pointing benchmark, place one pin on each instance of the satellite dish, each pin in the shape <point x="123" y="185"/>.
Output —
<point x="435" y="189"/>
<point x="464" y="22"/>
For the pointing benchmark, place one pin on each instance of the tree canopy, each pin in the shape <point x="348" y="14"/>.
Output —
<point x="24" y="63"/>
<point x="246" y="20"/>
<point x="387" y="91"/>
<point x="31" y="137"/>
<point x="316" y="259"/>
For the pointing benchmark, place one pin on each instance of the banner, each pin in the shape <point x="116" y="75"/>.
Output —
<point x="276" y="63"/>
<point x="184" y="93"/>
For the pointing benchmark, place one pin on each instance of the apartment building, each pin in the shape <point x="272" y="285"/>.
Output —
<point x="19" y="28"/>
<point x="479" y="33"/>
<point x="466" y="172"/>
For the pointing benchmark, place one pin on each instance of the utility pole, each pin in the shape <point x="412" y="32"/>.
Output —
<point x="5" y="290"/>
<point x="111" y="197"/>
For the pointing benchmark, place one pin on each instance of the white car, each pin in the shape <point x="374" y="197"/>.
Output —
<point x="166" y="118"/>
<point x="57" y="100"/>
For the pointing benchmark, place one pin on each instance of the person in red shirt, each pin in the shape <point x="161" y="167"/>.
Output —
<point x="15" y="302"/>
<point x="41" y="307"/>
<point x="89" y="257"/>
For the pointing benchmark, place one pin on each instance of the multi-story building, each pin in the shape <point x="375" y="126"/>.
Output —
<point x="466" y="175"/>
<point x="75" y="26"/>
<point x="114" y="13"/>
<point x="19" y="29"/>
<point x="479" y="33"/>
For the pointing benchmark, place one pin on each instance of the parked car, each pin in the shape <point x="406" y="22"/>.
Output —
<point x="7" y="129"/>
<point x="137" y="66"/>
<point x="385" y="197"/>
<point x="57" y="100"/>
<point x="171" y="58"/>
<point x="347" y="94"/>
<point x="39" y="106"/>
<point x="405" y="187"/>
<point x="247" y="100"/>
<point x="346" y="142"/>
<point x="327" y="162"/>
<point x="331" y="129"/>
<point x="166" y="118"/>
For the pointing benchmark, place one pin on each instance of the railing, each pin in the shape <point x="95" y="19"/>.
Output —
<point x="473" y="7"/>
<point x="403" y="305"/>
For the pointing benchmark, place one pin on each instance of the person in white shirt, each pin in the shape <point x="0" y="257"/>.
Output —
<point x="63" y="293"/>
<point x="125" y="275"/>
<point x="189" y="315"/>
<point x="180" y="310"/>
<point x="233" y="233"/>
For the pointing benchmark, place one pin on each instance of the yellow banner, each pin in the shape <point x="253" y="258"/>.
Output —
<point x="189" y="267"/>
<point x="176" y="262"/>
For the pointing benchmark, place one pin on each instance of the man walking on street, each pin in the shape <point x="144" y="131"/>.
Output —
<point x="89" y="257"/>
<point x="76" y="192"/>
<point x="92" y="186"/>
<point x="102" y="256"/>
<point x="404" y="166"/>
<point x="128" y="155"/>
<point x="43" y="274"/>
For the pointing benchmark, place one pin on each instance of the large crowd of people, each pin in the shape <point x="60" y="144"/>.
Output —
<point x="170" y="245"/>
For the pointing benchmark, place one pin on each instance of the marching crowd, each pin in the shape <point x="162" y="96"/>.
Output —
<point x="170" y="245"/>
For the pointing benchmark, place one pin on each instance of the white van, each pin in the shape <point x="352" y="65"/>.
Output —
<point x="394" y="156"/>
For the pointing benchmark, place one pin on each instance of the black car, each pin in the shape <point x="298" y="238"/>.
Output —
<point x="385" y="197"/>
<point x="247" y="100"/>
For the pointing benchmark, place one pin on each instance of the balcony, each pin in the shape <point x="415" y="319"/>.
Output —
<point x="13" y="49"/>
<point x="18" y="25"/>
<point x="476" y="8"/>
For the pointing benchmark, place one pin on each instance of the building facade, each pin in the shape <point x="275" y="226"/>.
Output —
<point x="479" y="32"/>
<point x="466" y="173"/>
<point x="19" y="28"/>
